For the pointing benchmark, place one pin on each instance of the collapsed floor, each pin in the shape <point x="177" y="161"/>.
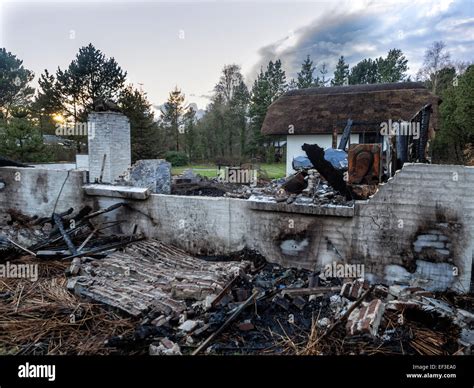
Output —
<point x="145" y="297"/>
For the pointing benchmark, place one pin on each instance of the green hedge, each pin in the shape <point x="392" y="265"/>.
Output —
<point x="177" y="158"/>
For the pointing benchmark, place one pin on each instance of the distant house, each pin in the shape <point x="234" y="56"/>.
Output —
<point x="57" y="140"/>
<point x="319" y="115"/>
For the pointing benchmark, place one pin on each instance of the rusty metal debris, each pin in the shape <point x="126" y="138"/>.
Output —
<point x="364" y="164"/>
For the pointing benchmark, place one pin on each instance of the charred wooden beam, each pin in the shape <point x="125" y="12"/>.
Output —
<point x="103" y="248"/>
<point x="21" y="218"/>
<point x="102" y="211"/>
<point x="345" y="135"/>
<point x="59" y="222"/>
<point x="423" y="141"/>
<point x="236" y="313"/>
<point x="224" y="292"/>
<point x="309" y="291"/>
<point x="334" y="177"/>
<point x="418" y="146"/>
<point x="82" y="213"/>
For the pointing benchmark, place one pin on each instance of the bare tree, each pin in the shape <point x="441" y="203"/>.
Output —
<point x="461" y="66"/>
<point x="436" y="58"/>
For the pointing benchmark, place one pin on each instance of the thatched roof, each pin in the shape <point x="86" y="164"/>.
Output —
<point x="320" y="110"/>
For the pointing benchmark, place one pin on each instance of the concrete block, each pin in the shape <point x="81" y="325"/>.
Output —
<point x="154" y="174"/>
<point x="116" y="191"/>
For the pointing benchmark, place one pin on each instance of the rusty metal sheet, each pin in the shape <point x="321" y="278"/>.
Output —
<point x="364" y="164"/>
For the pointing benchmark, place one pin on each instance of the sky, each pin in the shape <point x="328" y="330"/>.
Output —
<point x="187" y="43"/>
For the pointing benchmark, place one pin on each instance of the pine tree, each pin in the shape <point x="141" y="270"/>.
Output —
<point x="292" y="85"/>
<point x="172" y="116"/>
<point x="88" y="77"/>
<point x="268" y="86"/>
<point x="389" y="69"/>
<point x="323" y="80"/>
<point x="305" y="76"/>
<point x="341" y="74"/>
<point x="457" y="120"/>
<point x="190" y="136"/>
<point x="145" y="137"/>
<point x="21" y="140"/>
<point x="14" y="83"/>
<point x="364" y="72"/>
<point x="392" y="68"/>
<point x="46" y="103"/>
<point x="276" y="78"/>
<point x="260" y="100"/>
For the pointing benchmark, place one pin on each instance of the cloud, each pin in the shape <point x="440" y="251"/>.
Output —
<point x="369" y="29"/>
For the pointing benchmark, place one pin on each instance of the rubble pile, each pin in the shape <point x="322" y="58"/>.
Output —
<point x="306" y="187"/>
<point x="189" y="183"/>
<point x="63" y="235"/>
<point x="140" y="296"/>
<point x="20" y="229"/>
<point x="268" y="309"/>
<point x="323" y="178"/>
<point x="302" y="188"/>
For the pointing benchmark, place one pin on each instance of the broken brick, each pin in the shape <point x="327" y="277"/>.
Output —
<point x="354" y="290"/>
<point x="366" y="320"/>
<point x="380" y="291"/>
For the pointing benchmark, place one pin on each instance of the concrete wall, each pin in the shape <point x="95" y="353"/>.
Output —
<point x="34" y="191"/>
<point x="110" y="136"/>
<point x="294" y="143"/>
<point x="55" y="166"/>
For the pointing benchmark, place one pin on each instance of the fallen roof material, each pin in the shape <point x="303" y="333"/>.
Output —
<point x="151" y="275"/>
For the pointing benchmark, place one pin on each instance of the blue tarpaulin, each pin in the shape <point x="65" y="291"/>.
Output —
<point x="338" y="159"/>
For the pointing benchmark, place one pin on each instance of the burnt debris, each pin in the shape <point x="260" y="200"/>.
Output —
<point x="62" y="236"/>
<point x="157" y="299"/>
<point x="334" y="177"/>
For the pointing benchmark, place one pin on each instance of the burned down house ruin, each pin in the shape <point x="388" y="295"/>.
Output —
<point x="414" y="227"/>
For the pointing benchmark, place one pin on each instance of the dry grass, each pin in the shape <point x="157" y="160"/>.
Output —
<point x="415" y="338"/>
<point x="43" y="317"/>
